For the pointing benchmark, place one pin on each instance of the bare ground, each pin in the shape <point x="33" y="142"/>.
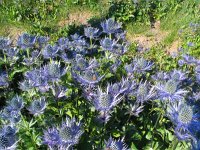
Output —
<point x="79" y="17"/>
<point x="153" y="37"/>
<point x="149" y="39"/>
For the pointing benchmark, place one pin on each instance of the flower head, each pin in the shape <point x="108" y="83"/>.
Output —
<point x="178" y="75"/>
<point x="11" y="115"/>
<point x="4" y="79"/>
<point x="139" y="65"/>
<point x="105" y="101"/>
<point x="107" y="44"/>
<point x="51" y="137"/>
<point x="12" y="53"/>
<point x="170" y="90"/>
<point x="16" y="103"/>
<point x="144" y="92"/>
<point x="26" y="41"/>
<point x="82" y="64"/>
<point x="38" y="106"/>
<point x="185" y="119"/>
<point x="33" y="59"/>
<point x="4" y="43"/>
<point x="59" y="91"/>
<point x="91" y="32"/>
<point x="42" y="40"/>
<point x="110" y="26"/>
<point x="8" y="138"/>
<point x="50" y="51"/>
<point x="112" y="144"/>
<point x="70" y="132"/>
<point x="37" y="78"/>
<point x="53" y="71"/>
<point x="87" y="77"/>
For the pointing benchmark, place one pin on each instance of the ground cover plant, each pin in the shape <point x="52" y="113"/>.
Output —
<point x="88" y="86"/>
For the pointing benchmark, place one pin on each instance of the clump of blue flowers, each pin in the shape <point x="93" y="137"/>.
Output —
<point x="88" y="76"/>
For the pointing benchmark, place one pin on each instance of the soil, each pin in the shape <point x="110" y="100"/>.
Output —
<point x="149" y="39"/>
<point x="80" y="17"/>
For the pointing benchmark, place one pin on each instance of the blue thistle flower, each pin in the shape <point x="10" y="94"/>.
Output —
<point x="8" y="138"/>
<point x="64" y="43"/>
<point x="160" y="76"/>
<point x="120" y="49"/>
<point x="104" y="101"/>
<point x="82" y="64"/>
<point x="112" y="144"/>
<point x="91" y="32"/>
<point x="185" y="119"/>
<point x="170" y="90"/>
<point x="68" y="57"/>
<point x="76" y="37"/>
<point x="33" y="59"/>
<point x="4" y="43"/>
<point x="8" y="131"/>
<point x="89" y="92"/>
<point x="53" y="71"/>
<point x="42" y="40"/>
<point x="9" y="114"/>
<point x="7" y="143"/>
<point x="107" y="44"/>
<point x="121" y="35"/>
<point x="190" y="44"/>
<point x="139" y="65"/>
<point x="189" y="59"/>
<point x="59" y="91"/>
<point x="70" y="132"/>
<point x="181" y="62"/>
<point x="88" y="77"/>
<point x="50" y="51"/>
<point x="114" y="88"/>
<point x="125" y="86"/>
<point x="38" y="106"/>
<point x="37" y="79"/>
<point x="26" y="85"/>
<point x="16" y="103"/>
<point x="4" y="79"/>
<point x="51" y="137"/>
<point x="110" y="26"/>
<point x="12" y="53"/>
<point x="114" y="67"/>
<point x="178" y="75"/>
<point x="144" y="92"/>
<point x="26" y="41"/>
<point x="135" y="109"/>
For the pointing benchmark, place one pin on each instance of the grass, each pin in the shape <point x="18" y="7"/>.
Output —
<point x="73" y="14"/>
<point x="137" y="28"/>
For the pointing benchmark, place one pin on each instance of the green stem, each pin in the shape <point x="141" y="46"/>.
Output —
<point x="174" y="143"/>
<point x="155" y="127"/>
<point x="91" y="42"/>
<point x="110" y="36"/>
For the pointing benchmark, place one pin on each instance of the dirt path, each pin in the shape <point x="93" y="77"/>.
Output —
<point x="153" y="38"/>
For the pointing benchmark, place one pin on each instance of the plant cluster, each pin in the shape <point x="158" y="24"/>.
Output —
<point x="83" y="92"/>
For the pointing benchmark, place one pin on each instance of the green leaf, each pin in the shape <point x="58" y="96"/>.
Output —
<point x="149" y="136"/>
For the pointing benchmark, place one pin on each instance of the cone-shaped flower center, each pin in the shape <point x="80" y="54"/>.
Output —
<point x="171" y="86"/>
<point x="4" y="143"/>
<point x="105" y="100"/>
<point x="185" y="114"/>
<point x="66" y="134"/>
